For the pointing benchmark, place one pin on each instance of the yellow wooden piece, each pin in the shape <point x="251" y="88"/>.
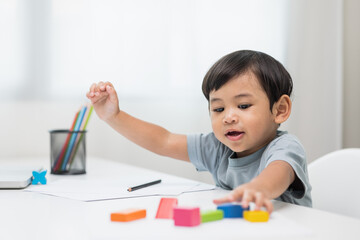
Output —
<point x="256" y="216"/>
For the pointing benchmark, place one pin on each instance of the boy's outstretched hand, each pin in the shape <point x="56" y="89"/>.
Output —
<point x="104" y="99"/>
<point x="269" y="184"/>
<point x="245" y="194"/>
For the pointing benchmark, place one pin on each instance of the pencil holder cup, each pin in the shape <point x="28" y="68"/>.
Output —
<point x="67" y="152"/>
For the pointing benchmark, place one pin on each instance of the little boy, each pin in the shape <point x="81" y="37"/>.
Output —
<point x="249" y="97"/>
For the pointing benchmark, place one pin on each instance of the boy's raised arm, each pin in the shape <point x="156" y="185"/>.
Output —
<point x="147" y="135"/>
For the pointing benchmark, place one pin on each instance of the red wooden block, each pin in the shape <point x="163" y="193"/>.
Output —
<point x="187" y="216"/>
<point x="166" y="208"/>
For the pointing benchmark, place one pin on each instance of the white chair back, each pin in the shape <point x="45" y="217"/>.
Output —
<point x="335" y="179"/>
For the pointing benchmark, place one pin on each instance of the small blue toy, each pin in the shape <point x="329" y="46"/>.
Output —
<point x="39" y="177"/>
<point x="232" y="210"/>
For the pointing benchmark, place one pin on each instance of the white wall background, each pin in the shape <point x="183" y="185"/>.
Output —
<point x="156" y="53"/>
<point x="315" y="60"/>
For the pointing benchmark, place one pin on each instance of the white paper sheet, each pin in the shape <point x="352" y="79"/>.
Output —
<point x="103" y="189"/>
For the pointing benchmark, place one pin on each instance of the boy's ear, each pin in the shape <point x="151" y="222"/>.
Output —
<point x="282" y="109"/>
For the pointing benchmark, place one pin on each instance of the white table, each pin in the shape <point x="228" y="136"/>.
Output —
<point x="28" y="215"/>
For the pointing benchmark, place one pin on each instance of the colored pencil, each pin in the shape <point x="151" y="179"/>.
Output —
<point x="80" y="137"/>
<point x="73" y="137"/>
<point x="87" y="117"/>
<point x="59" y="160"/>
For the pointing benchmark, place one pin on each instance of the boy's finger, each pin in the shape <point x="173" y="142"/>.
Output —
<point x="89" y="95"/>
<point x="97" y="88"/>
<point x="99" y="96"/>
<point x="101" y="86"/>
<point x="91" y="90"/>
<point x="238" y="193"/>
<point x="259" y="200"/>
<point x="246" y="199"/>
<point x="226" y="199"/>
<point x="268" y="205"/>
<point x="112" y="94"/>
<point x="109" y="84"/>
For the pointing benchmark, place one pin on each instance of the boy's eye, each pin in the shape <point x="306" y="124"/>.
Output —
<point x="244" y="106"/>
<point x="218" y="109"/>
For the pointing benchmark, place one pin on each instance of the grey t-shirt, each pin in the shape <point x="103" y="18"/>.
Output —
<point x="209" y="154"/>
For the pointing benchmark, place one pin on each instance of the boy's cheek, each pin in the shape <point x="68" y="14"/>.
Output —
<point x="215" y="118"/>
<point x="216" y="128"/>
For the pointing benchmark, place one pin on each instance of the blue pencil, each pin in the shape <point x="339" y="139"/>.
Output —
<point x="73" y="137"/>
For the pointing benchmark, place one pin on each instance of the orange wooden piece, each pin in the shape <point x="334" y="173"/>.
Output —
<point x="128" y="215"/>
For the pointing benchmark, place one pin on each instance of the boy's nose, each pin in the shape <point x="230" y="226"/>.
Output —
<point x="230" y="117"/>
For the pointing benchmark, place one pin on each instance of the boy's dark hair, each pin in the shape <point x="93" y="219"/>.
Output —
<point x="271" y="74"/>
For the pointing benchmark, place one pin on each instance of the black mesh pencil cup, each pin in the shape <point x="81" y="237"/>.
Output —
<point x="67" y="152"/>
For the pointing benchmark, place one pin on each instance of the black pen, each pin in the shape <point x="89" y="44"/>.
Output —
<point x="144" y="185"/>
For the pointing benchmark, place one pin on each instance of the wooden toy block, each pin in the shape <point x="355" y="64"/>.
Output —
<point x="256" y="216"/>
<point x="188" y="217"/>
<point x="39" y="177"/>
<point x="232" y="210"/>
<point x="212" y="215"/>
<point x="166" y="208"/>
<point x="128" y="215"/>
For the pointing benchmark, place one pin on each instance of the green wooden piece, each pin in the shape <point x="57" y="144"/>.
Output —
<point x="212" y="215"/>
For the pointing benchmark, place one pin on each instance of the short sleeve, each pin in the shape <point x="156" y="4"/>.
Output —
<point x="203" y="150"/>
<point x="287" y="148"/>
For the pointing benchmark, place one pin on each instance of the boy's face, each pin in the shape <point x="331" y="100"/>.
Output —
<point x="240" y="115"/>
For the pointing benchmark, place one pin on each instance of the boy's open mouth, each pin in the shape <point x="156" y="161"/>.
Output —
<point x="234" y="135"/>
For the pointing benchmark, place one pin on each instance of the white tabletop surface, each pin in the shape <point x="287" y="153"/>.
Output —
<point x="31" y="215"/>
